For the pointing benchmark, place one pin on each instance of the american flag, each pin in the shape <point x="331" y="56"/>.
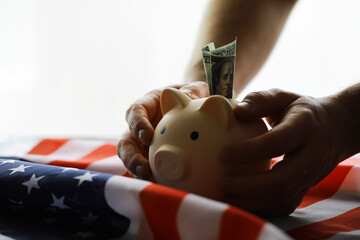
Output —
<point x="79" y="189"/>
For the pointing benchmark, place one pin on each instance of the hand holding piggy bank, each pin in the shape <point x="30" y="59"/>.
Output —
<point x="187" y="143"/>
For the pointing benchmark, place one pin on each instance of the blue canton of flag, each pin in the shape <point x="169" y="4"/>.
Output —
<point x="49" y="202"/>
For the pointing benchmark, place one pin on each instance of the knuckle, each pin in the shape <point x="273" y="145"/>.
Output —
<point x="130" y="111"/>
<point x="133" y="161"/>
<point x="202" y="84"/>
<point x="260" y="96"/>
<point x="275" y="91"/>
<point x="127" y="162"/>
<point x="119" y="147"/>
<point x="196" y="89"/>
<point x="202" y="88"/>
<point x="193" y="89"/>
<point x="121" y="150"/>
<point x="134" y="125"/>
<point x="135" y="120"/>
<point x="279" y="94"/>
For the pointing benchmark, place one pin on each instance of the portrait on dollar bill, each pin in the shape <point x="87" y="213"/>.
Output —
<point x="222" y="72"/>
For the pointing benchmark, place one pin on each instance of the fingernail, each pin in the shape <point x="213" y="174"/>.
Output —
<point x="244" y="111"/>
<point x="244" y="105"/>
<point x="188" y="92"/>
<point x="144" y="136"/>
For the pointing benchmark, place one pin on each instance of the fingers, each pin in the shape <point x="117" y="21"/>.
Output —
<point x="139" y="124"/>
<point x="263" y="104"/>
<point x="139" y="115"/>
<point x="274" y="206"/>
<point x="145" y="113"/>
<point x="142" y="117"/>
<point x="274" y="193"/>
<point x="132" y="156"/>
<point x="281" y="139"/>
<point x="197" y="89"/>
<point x="283" y="177"/>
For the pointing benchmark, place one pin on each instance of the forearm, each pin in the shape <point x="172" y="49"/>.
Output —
<point x="257" y="26"/>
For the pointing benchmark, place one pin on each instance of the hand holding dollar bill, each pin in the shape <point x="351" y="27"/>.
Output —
<point x="219" y="64"/>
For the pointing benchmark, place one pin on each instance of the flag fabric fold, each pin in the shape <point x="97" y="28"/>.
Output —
<point x="48" y="202"/>
<point x="79" y="189"/>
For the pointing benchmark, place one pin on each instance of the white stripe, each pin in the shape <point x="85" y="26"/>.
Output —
<point x="122" y="195"/>
<point x="3" y="237"/>
<point x="269" y="231"/>
<point x="346" y="235"/>
<point x="345" y="199"/>
<point x="351" y="183"/>
<point x="70" y="151"/>
<point x="17" y="147"/>
<point x="199" y="218"/>
<point x="112" y="165"/>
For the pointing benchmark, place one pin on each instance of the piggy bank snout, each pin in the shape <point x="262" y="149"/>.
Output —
<point x="170" y="163"/>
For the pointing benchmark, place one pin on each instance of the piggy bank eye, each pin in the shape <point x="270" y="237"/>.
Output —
<point x="163" y="130"/>
<point x="194" y="135"/>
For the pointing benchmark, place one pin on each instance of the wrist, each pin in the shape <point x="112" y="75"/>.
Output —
<point x="350" y="99"/>
<point x="345" y="120"/>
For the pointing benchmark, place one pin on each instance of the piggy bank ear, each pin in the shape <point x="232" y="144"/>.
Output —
<point x="171" y="97"/>
<point x="219" y="109"/>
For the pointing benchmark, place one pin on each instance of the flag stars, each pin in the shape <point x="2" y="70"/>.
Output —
<point x="20" y="168"/>
<point x="89" y="219"/>
<point x="58" y="202"/>
<point x="32" y="183"/>
<point x="7" y="161"/>
<point x="85" y="177"/>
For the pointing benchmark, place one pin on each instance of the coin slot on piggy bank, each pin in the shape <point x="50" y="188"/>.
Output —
<point x="187" y="143"/>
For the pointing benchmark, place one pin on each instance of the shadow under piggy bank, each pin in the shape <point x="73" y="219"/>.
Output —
<point x="187" y="143"/>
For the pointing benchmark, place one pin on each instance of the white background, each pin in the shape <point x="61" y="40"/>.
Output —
<point x="71" y="68"/>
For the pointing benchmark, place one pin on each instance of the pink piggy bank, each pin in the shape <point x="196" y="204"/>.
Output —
<point x="187" y="143"/>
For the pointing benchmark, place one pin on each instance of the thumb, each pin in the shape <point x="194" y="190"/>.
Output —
<point x="195" y="90"/>
<point x="263" y="104"/>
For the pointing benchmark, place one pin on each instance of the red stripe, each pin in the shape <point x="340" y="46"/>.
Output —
<point x="102" y="152"/>
<point x="127" y="174"/>
<point x="48" y="146"/>
<point x="238" y="224"/>
<point x="160" y="206"/>
<point x="346" y="222"/>
<point x="327" y="187"/>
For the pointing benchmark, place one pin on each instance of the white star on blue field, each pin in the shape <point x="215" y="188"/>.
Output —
<point x="48" y="202"/>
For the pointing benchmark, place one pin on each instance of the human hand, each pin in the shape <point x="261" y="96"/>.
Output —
<point x="312" y="135"/>
<point x="142" y="117"/>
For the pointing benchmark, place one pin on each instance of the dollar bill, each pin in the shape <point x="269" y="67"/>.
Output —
<point x="219" y="64"/>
